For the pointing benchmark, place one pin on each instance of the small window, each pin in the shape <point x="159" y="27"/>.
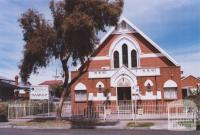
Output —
<point x="133" y="58"/>
<point x="170" y="93"/>
<point x="80" y="92"/>
<point x="148" y="84"/>
<point x="170" y="89"/>
<point x="100" y="86"/>
<point x="80" y="95"/>
<point x="116" y="59"/>
<point x="125" y="55"/>
<point x="148" y="87"/>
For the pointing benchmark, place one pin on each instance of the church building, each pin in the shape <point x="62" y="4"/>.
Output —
<point x="127" y="66"/>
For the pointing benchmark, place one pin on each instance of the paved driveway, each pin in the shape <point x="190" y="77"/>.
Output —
<point x="7" y="131"/>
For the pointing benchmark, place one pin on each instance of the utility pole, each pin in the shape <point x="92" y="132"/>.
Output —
<point x="56" y="76"/>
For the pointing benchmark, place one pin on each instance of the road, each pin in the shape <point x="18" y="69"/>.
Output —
<point x="7" y="131"/>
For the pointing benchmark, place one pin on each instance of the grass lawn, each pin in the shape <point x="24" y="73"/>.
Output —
<point x="139" y="124"/>
<point x="47" y="123"/>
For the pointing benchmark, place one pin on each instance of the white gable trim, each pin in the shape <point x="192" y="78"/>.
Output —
<point x="141" y="33"/>
<point x="147" y="55"/>
<point x="123" y="72"/>
<point x="151" y="55"/>
<point x="100" y="58"/>
<point x="117" y="46"/>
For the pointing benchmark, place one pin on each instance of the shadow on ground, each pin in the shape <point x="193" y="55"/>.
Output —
<point x="91" y="124"/>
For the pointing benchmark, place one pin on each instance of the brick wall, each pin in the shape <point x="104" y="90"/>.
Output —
<point x="190" y="81"/>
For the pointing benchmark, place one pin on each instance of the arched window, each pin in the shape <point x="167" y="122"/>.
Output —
<point x="100" y="86"/>
<point x="125" y="55"/>
<point x="80" y="92"/>
<point x="148" y="84"/>
<point x="133" y="58"/>
<point x="116" y="59"/>
<point x="170" y="89"/>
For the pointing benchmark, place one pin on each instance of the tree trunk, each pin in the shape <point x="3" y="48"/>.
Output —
<point x="65" y="86"/>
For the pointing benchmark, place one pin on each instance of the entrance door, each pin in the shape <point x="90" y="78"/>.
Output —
<point x="124" y="93"/>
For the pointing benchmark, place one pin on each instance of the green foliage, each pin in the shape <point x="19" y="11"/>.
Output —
<point x="57" y="89"/>
<point x="140" y="124"/>
<point x="106" y="92"/>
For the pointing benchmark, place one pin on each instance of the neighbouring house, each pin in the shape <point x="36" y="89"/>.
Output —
<point x="55" y="87"/>
<point x="12" y="89"/>
<point x="127" y="66"/>
<point x="190" y="85"/>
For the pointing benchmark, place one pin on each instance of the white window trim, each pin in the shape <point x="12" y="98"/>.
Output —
<point x="99" y="83"/>
<point x="117" y="46"/>
<point x="148" y="82"/>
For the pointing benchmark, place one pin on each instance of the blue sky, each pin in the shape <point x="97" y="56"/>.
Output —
<point x="173" y="24"/>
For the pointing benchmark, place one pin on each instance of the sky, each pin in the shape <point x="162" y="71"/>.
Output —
<point x="173" y="24"/>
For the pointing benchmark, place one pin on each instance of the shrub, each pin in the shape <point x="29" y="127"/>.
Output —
<point x="3" y="112"/>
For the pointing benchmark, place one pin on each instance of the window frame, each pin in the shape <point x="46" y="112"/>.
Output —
<point x="134" y="60"/>
<point x="116" y="58"/>
<point x="125" y="55"/>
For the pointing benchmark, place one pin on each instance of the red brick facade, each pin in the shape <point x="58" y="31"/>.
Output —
<point x="153" y="65"/>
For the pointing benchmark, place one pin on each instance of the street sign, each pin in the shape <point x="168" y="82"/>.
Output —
<point x="39" y="92"/>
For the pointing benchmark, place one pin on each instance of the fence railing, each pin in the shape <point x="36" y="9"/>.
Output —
<point x="121" y="111"/>
<point x="36" y="109"/>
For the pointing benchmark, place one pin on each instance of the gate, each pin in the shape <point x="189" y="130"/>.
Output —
<point x="182" y="115"/>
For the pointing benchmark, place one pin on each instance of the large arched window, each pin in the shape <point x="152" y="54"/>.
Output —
<point x="170" y="89"/>
<point x="116" y="59"/>
<point x="133" y="58"/>
<point x="125" y="55"/>
<point x="80" y="91"/>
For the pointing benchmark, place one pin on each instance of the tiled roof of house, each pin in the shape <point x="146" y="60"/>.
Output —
<point x="52" y="82"/>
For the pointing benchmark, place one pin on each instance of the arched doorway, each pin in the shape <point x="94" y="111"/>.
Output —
<point x="124" y="91"/>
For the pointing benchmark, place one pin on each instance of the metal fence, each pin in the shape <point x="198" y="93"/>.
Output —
<point x="182" y="115"/>
<point x="36" y="109"/>
<point x="44" y="109"/>
<point x="120" y="111"/>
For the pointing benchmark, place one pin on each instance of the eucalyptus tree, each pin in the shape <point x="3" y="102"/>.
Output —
<point x="72" y="34"/>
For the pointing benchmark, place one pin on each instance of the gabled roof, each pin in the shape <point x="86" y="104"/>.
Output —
<point x="143" y="35"/>
<point x="192" y="77"/>
<point x="52" y="82"/>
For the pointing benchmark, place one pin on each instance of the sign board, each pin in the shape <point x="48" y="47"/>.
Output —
<point x="39" y="92"/>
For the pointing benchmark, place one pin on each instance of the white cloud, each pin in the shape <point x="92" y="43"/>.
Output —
<point x="189" y="59"/>
<point x="148" y="10"/>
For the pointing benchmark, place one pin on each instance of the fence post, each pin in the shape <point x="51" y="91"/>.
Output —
<point x="132" y="110"/>
<point x="8" y="112"/>
<point x="104" y="112"/>
<point x="118" y="112"/>
<point x="168" y="118"/>
<point x="16" y="113"/>
<point x="24" y="114"/>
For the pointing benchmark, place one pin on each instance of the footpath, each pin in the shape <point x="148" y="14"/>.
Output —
<point x="157" y="125"/>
